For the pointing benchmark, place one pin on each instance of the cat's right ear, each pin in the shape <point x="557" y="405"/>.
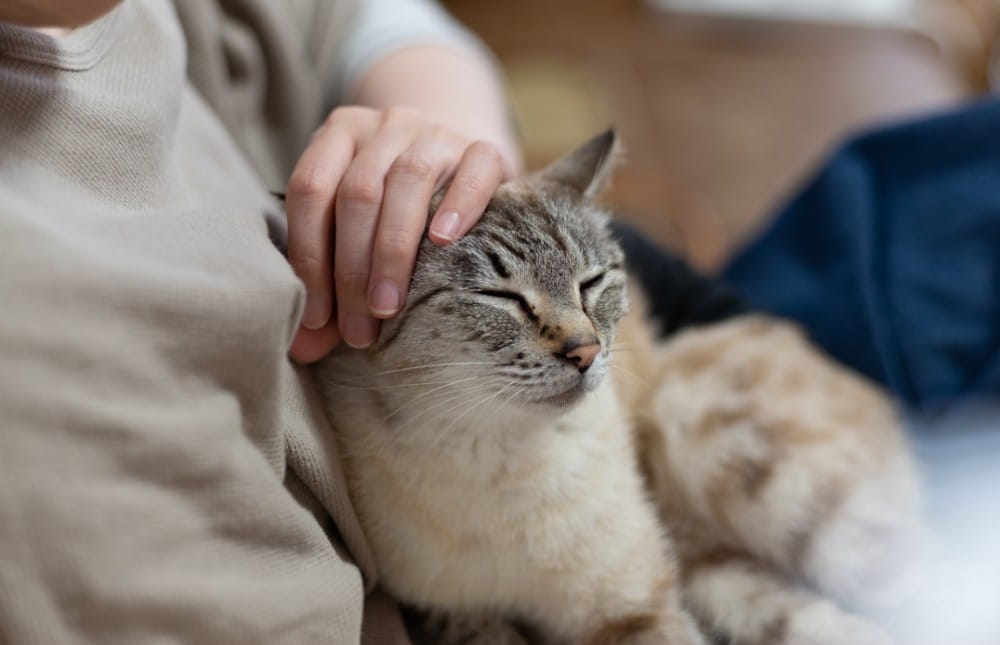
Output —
<point x="587" y="169"/>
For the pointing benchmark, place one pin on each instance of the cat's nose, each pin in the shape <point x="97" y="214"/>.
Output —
<point x="581" y="351"/>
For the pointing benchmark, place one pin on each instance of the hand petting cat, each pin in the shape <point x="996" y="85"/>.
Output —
<point x="357" y="199"/>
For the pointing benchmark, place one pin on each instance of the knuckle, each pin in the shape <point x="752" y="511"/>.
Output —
<point x="318" y="133"/>
<point x="486" y="150"/>
<point x="344" y="114"/>
<point x="440" y="133"/>
<point x="394" y="246"/>
<point x="350" y="280"/>
<point x="400" y="114"/>
<point x="310" y="183"/>
<point x="307" y="265"/>
<point x="364" y="189"/>
<point x="470" y="184"/>
<point x="413" y="165"/>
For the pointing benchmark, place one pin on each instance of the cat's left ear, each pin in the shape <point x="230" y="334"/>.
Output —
<point x="587" y="169"/>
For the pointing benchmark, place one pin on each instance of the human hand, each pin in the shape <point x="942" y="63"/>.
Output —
<point x="363" y="187"/>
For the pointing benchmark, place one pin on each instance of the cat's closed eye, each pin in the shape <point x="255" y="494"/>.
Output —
<point x="510" y="295"/>
<point x="595" y="280"/>
<point x="592" y="282"/>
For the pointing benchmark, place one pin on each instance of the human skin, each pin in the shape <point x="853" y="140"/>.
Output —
<point x="65" y="14"/>
<point x="357" y="200"/>
<point x="435" y="114"/>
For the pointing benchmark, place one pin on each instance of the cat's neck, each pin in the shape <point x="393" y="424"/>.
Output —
<point x="501" y="432"/>
<point x="508" y="456"/>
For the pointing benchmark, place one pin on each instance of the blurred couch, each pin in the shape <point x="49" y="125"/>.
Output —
<point x="721" y="116"/>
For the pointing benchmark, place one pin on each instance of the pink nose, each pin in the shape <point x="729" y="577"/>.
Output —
<point x="582" y="352"/>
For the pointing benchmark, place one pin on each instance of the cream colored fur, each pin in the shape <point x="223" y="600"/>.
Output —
<point x="514" y="514"/>
<point x="731" y="483"/>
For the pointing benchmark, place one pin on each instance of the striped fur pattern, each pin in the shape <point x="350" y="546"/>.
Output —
<point x="728" y="486"/>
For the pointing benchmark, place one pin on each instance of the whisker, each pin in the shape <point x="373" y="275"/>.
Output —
<point x="515" y="374"/>
<point x="511" y="397"/>
<point x="623" y="347"/>
<point x="396" y="386"/>
<point x="424" y="395"/>
<point x="624" y="370"/>
<point x="469" y="409"/>
<point x="442" y="398"/>
<point x="495" y="437"/>
<point x="431" y="366"/>
<point x="464" y="393"/>
<point x="444" y="433"/>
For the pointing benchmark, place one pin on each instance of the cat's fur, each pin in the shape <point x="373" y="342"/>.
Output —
<point x="731" y="482"/>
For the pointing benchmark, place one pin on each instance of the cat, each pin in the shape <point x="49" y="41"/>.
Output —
<point x="530" y="465"/>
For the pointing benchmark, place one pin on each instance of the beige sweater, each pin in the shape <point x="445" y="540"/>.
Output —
<point x="165" y="473"/>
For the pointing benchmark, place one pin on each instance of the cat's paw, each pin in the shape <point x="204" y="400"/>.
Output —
<point x="822" y="623"/>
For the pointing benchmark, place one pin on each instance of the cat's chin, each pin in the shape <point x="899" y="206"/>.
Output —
<point x="574" y="393"/>
<point x="564" y="399"/>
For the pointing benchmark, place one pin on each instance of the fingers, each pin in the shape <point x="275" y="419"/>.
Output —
<point x="409" y="186"/>
<point x="358" y="204"/>
<point x="478" y="175"/>
<point x="308" y="202"/>
<point x="311" y="345"/>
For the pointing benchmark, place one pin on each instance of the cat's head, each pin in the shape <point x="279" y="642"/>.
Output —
<point x="526" y="304"/>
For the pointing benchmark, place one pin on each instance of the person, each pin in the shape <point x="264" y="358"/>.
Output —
<point x="167" y="473"/>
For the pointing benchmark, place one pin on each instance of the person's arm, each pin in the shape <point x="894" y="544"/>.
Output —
<point x="57" y="15"/>
<point x="421" y="116"/>
<point x="462" y="92"/>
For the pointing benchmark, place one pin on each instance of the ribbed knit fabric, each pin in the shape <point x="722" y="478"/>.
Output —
<point x="165" y="472"/>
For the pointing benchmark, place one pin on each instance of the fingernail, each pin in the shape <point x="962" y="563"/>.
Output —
<point x="445" y="226"/>
<point x="317" y="311"/>
<point x="385" y="300"/>
<point x="359" y="331"/>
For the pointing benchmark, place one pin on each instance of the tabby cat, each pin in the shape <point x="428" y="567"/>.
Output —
<point x="530" y="465"/>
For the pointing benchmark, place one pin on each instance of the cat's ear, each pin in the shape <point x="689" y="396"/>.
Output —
<point x="587" y="169"/>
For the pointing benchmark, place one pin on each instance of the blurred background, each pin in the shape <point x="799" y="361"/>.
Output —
<point x="726" y="105"/>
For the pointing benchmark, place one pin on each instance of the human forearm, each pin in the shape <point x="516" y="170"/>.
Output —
<point x="54" y="13"/>
<point x="464" y="93"/>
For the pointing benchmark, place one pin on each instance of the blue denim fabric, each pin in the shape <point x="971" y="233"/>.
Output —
<point x="890" y="257"/>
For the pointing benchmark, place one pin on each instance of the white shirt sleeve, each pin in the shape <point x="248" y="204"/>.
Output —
<point x="384" y="26"/>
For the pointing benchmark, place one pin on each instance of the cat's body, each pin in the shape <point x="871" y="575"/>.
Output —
<point x="503" y="476"/>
